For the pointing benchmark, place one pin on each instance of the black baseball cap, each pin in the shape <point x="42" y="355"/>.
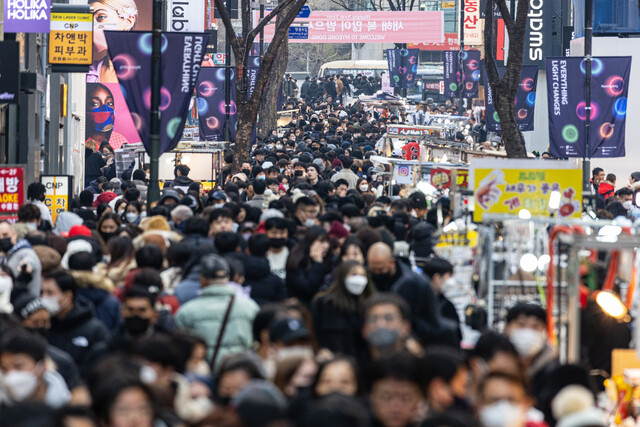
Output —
<point x="288" y="330"/>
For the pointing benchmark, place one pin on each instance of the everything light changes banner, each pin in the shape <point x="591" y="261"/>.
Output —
<point x="403" y="67"/>
<point x="469" y="77"/>
<point x="525" y="100"/>
<point x="566" y="82"/>
<point x="182" y="55"/>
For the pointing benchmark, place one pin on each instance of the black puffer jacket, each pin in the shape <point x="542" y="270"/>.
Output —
<point x="265" y="286"/>
<point x="80" y="333"/>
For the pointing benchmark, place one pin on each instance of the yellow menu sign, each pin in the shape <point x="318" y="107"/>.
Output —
<point x="506" y="187"/>
<point x="71" y="38"/>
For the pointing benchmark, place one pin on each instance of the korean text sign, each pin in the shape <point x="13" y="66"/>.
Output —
<point x="71" y="38"/>
<point x="11" y="188"/>
<point x="369" y="27"/>
<point x="57" y="192"/>
<point x="506" y="187"/>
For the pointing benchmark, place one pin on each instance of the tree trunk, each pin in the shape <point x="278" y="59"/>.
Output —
<point x="246" y="119"/>
<point x="504" y="89"/>
<point x="269" y="105"/>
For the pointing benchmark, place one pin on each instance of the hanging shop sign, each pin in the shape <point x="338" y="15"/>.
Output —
<point x="58" y="189"/>
<point x="71" y="38"/>
<point x="27" y="16"/>
<point x="9" y="72"/>
<point x="11" y="189"/>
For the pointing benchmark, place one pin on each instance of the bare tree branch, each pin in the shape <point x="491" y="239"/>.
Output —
<point x="506" y="16"/>
<point x="251" y="35"/>
<point x="228" y="28"/>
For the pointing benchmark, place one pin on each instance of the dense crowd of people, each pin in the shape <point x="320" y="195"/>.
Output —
<point x="293" y="293"/>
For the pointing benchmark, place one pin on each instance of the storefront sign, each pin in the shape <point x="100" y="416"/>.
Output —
<point x="9" y="72"/>
<point x="538" y="43"/>
<point x="369" y="27"/>
<point x="506" y="187"/>
<point x="58" y="191"/>
<point x="450" y="43"/>
<point x="71" y="38"/>
<point x="11" y="188"/>
<point x="27" y="16"/>
<point x="443" y="178"/>
<point x="473" y="25"/>
<point x="186" y="15"/>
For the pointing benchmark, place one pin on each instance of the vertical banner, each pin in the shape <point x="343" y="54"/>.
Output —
<point x="471" y="73"/>
<point x="211" y="104"/>
<point x="566" y="81"/>
<point x="27" y="16"/>
<point x="403" y="67"/>
<point x="9" y="72"/>
<point x="58" y="189"/>
<point x="11" y="189"/>
<point x="181" y="56"/>
<point x="538" y="42"/>
<point x="451" y="74"/>
<point x="525" y="100"/>
<point x="469" y="77"/>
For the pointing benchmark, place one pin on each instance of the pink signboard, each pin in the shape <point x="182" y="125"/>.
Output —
<point x="368" y="27"/>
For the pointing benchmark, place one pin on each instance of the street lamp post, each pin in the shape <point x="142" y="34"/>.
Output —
<point x="588" y="36"/>
<point x="154" y="134"/>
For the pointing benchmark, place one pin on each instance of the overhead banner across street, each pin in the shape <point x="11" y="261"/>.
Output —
<point x="368" y="27"/>
<point x="566" y="81"/>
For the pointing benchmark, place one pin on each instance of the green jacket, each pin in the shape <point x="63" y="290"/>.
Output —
<point x="203" y="317"/>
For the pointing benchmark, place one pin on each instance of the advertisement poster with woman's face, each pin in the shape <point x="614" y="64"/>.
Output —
<point x="111" y="120"/>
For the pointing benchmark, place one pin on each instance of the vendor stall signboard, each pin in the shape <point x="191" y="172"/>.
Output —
<point x="443" y="178"/>
<point x="58" y="189"/>
<point x="505" y="187"/>
<point x="412" y="130"/>
<point x="11" y="189"/>
<point x="71" y="38"/>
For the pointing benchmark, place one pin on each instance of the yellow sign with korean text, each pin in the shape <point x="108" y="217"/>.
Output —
<point x="448" y="5"/>
<point x="71" y="38"/>
<point x="57" y="193"/>
<point x="542" y="187"/>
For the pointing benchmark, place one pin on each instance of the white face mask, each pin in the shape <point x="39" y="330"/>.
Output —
<point x="218" y="205"/>
<point x="309" y="222"/>
<point x="6" y="284"/>
<point x="502" y="414"/>
<point x="132" y="217"/>
<point x="356" y="284"/>
<point x="51" y="304"/>
<point x="148" y="375"/>
<point x="627" y="205"/>
<point x="279" y="147"/>
<point x="20" y="384"/>
<point x="286" y="187"/>
<point x="528" y="342"/>
<point x="201" y="368"/>
<point x="364" y="187"/>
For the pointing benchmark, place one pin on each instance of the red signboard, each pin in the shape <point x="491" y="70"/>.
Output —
<point x="450" y="43"/>
<point x="411" y="151"/>
<point x="11" y="188"/>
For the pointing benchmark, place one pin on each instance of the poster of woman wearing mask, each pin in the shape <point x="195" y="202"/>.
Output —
<point x="114" y="15"/>
<point x="108" y="118"/>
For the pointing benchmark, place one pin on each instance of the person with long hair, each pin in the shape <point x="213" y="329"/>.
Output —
<point x="109" y="15"/>
<point x="123" y="259"/>
<point x="307" y="265"/>
<point x="336" y="311"/>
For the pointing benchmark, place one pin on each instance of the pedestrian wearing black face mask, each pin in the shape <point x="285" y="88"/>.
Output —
<point x="391" y="275"/>
<point x="139" y="317"/>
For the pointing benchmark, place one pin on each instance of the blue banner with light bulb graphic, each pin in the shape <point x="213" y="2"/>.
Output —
<point x="525" y="102"/>
<point x="566" y="88"/>
<point x="403" y="67"/>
